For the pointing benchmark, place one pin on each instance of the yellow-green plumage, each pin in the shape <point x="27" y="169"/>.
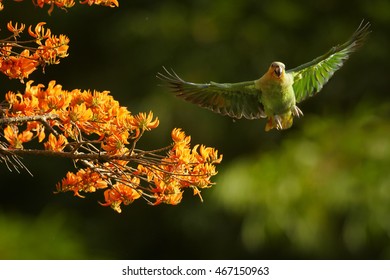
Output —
<point x="275" y="94"/>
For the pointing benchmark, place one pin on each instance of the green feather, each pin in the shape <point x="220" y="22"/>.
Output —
<point x="309" y="78"/>
<point x="236" y="100"/>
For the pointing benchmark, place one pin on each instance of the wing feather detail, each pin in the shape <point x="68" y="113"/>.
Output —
<point x="310" y="77"/>
<point x="236" y="100"/>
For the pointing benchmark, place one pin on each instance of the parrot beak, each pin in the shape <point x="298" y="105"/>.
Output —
<point x="277" y="68"/>
<point x="278" y="71"/>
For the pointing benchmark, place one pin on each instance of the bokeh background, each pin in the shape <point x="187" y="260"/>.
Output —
<point x="320" y="190"/>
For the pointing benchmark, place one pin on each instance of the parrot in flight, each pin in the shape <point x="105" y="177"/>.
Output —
<point x="274" y="95"/>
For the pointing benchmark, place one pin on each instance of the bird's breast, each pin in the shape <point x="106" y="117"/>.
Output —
<point x="277" y="95"/>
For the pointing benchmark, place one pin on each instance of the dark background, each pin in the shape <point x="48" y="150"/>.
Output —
<point x="318" y="190"/>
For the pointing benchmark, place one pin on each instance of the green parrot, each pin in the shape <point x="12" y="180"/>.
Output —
<point x="275" y="94"/>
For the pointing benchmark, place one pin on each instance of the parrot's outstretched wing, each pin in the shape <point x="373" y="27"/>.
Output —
<point x="236" y="100"/>
<point x="309" y="78"/>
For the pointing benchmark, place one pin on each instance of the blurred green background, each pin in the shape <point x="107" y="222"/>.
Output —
<point x="320" y="190"/>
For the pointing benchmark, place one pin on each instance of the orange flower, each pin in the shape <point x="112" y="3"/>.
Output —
<point x="145" y="122"/>
<point x="81" y="115"/>
<point x="206" y="154"/>
<point x="59" y="3"/>
<point x="121" y="193"/>
<point x="172" y="198"/>
<point x="55" y="144"/>
<point x="19" y="67"/>
<point x="107" y="3"/>
<point x="38" y="128"/>
<point x="15" y="29"/>
<point x="53" y="49"/>
<point x="178" y="136"/>
<point x="55" y="102"/>
<point x="84" y="180"/>
<point x="16" y="139"/>
<point x="101" y="102"/>
<point x="115" y="144"/>
<point x="39" y="32"/>
<point x="69" y="183"/>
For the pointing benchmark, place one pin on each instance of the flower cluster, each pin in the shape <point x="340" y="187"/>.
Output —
<point x="106" y="3"/>
<point x="64" y="4"/>
<point x="75" y="114"/>
<point x="19" y="58"/>
<point x="99" y="135"/>
<point x="182" y="168"/>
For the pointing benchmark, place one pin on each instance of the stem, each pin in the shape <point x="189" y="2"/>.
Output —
<point x="22" y="119"/>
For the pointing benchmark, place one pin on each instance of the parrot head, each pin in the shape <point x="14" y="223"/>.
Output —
<point x="276" y="69"/>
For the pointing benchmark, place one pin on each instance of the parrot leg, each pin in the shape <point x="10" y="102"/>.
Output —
<point x="296" y="111"/>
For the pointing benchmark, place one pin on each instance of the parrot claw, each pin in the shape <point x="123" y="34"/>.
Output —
<point x="296" y="111"/>
<point x="278" y="121"/>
